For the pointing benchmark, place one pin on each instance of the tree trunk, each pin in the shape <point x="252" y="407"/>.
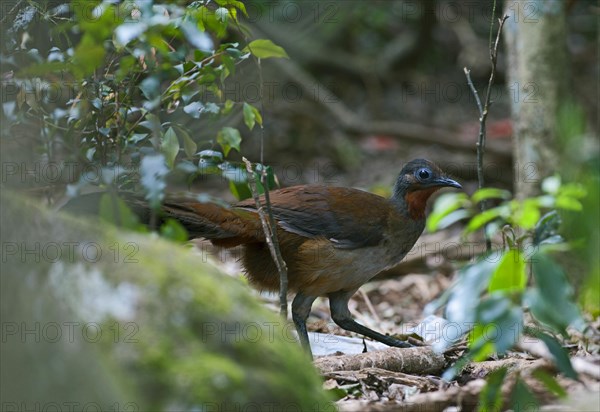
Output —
<point x="535" y="35"/>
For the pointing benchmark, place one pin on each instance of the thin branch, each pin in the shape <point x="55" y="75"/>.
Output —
<point x="483" y="113"/>
<point x="271" y="236"/>
<point x="270" y="229"/>
<point x="281" y="265"/>
<point x="474" y="90"/>
<point x="369" y="304"/>
<point x="492" y="26"/>
<point x="3" y="19"/>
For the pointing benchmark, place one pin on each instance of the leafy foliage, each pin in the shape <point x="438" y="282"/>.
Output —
<point x="490" y="398"/>
<point x="138" y="88"/>
<point x="492" y="295"/>
<point x="453" y="207"/>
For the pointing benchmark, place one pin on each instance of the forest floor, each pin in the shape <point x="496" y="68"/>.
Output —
<point x="384" y="379"/>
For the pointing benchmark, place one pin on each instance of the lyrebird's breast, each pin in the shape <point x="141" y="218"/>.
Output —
<point x="401" y="236"/>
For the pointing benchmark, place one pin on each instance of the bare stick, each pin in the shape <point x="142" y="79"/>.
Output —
<point x="281" y="265"/>
<point x="270" y="230"/>
<point x="274" y="245"/>
<point x="483" y="113"/>
<point x="369" y="304"/>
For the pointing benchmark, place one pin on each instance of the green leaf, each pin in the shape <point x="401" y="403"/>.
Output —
<point x="227" y="107"/>
<point x="339" y="393"/>
<point x="189" y="146"/>
<point x="194" y="109"/>
<point x="482" y="218"/>
<point x="222" y="14"/>
<point x="490" y="193"/>
<point x="444" y="205"/>
<point x="493" y="227"/>
<point x="573" y="190"/>
<point x="473" y="279"/>
<point x="458" y="366"/>
<point x="234" y="52"/>
<point x="128" y="31"/>
<point x="465" y="296"/>
<point x="270" y="177"/>
<point x="241" y="191"/>
<point x="229" y="138"/>
<point x="240" y="5"/>
<point x="258" y="179"/>
<point x="561" y="357"/>
<point x="551" y="298"/>
<point x="153" y="172"/>
<point x="264" y="49"/>
<point x="174" y="231"/>
<point x="198" y="39"/>
<point x="510" y="273"/>
<point x="499" y="324"/>
<point x="526" y="213"/>
<point x="546" y="227"/>
<point x="87" y="55"/>
<point x="212" y="108"/>
<point x="549" y="381"/>
<point x="251" y="116"/>
<point x="150" y="123"/>
<point x="522" y="399"/>
<point x="170" y="147"/>
<point x="452" y="218"/>
<point x="568" y="203"/>
<point x="105" y="19"/>
<point x="480" y="347"/>
<point x="150" y="87"/>
<point x="114" y="210"/>
<point x="490" y="398"/>
<point x="229" y="63"/>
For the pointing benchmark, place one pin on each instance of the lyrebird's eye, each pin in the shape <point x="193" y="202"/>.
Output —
<point x="423" y="174"/>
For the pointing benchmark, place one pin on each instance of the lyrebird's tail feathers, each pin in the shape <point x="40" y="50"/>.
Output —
<point x="222" y="225"/>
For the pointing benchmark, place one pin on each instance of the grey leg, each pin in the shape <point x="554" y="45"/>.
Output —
<point x="338" y="303"/>
<point x="300" y="310"/>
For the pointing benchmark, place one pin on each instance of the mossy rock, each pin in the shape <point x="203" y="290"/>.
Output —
<point x="98" y="318"/>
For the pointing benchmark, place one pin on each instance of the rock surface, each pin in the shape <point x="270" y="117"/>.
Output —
<point x="97" y="319"/>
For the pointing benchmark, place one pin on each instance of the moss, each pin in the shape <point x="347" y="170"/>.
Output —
<point x="179" y="332"/>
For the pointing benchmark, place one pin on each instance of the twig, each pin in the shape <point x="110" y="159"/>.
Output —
<point x="281" y="265"/>
<point x="483" y="113"/>
<point x="365" y="297"/>
<point x="3" y="19"/>
<point x="270" y="228"/>
<point x="492" y="25"/>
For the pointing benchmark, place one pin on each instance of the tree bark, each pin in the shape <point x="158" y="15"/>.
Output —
<point x="535" y="35"/>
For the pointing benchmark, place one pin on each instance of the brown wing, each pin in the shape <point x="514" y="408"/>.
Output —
<point x="349" y="218"/>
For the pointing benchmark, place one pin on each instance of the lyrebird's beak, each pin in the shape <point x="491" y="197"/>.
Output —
<point x="446" y="181"/>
